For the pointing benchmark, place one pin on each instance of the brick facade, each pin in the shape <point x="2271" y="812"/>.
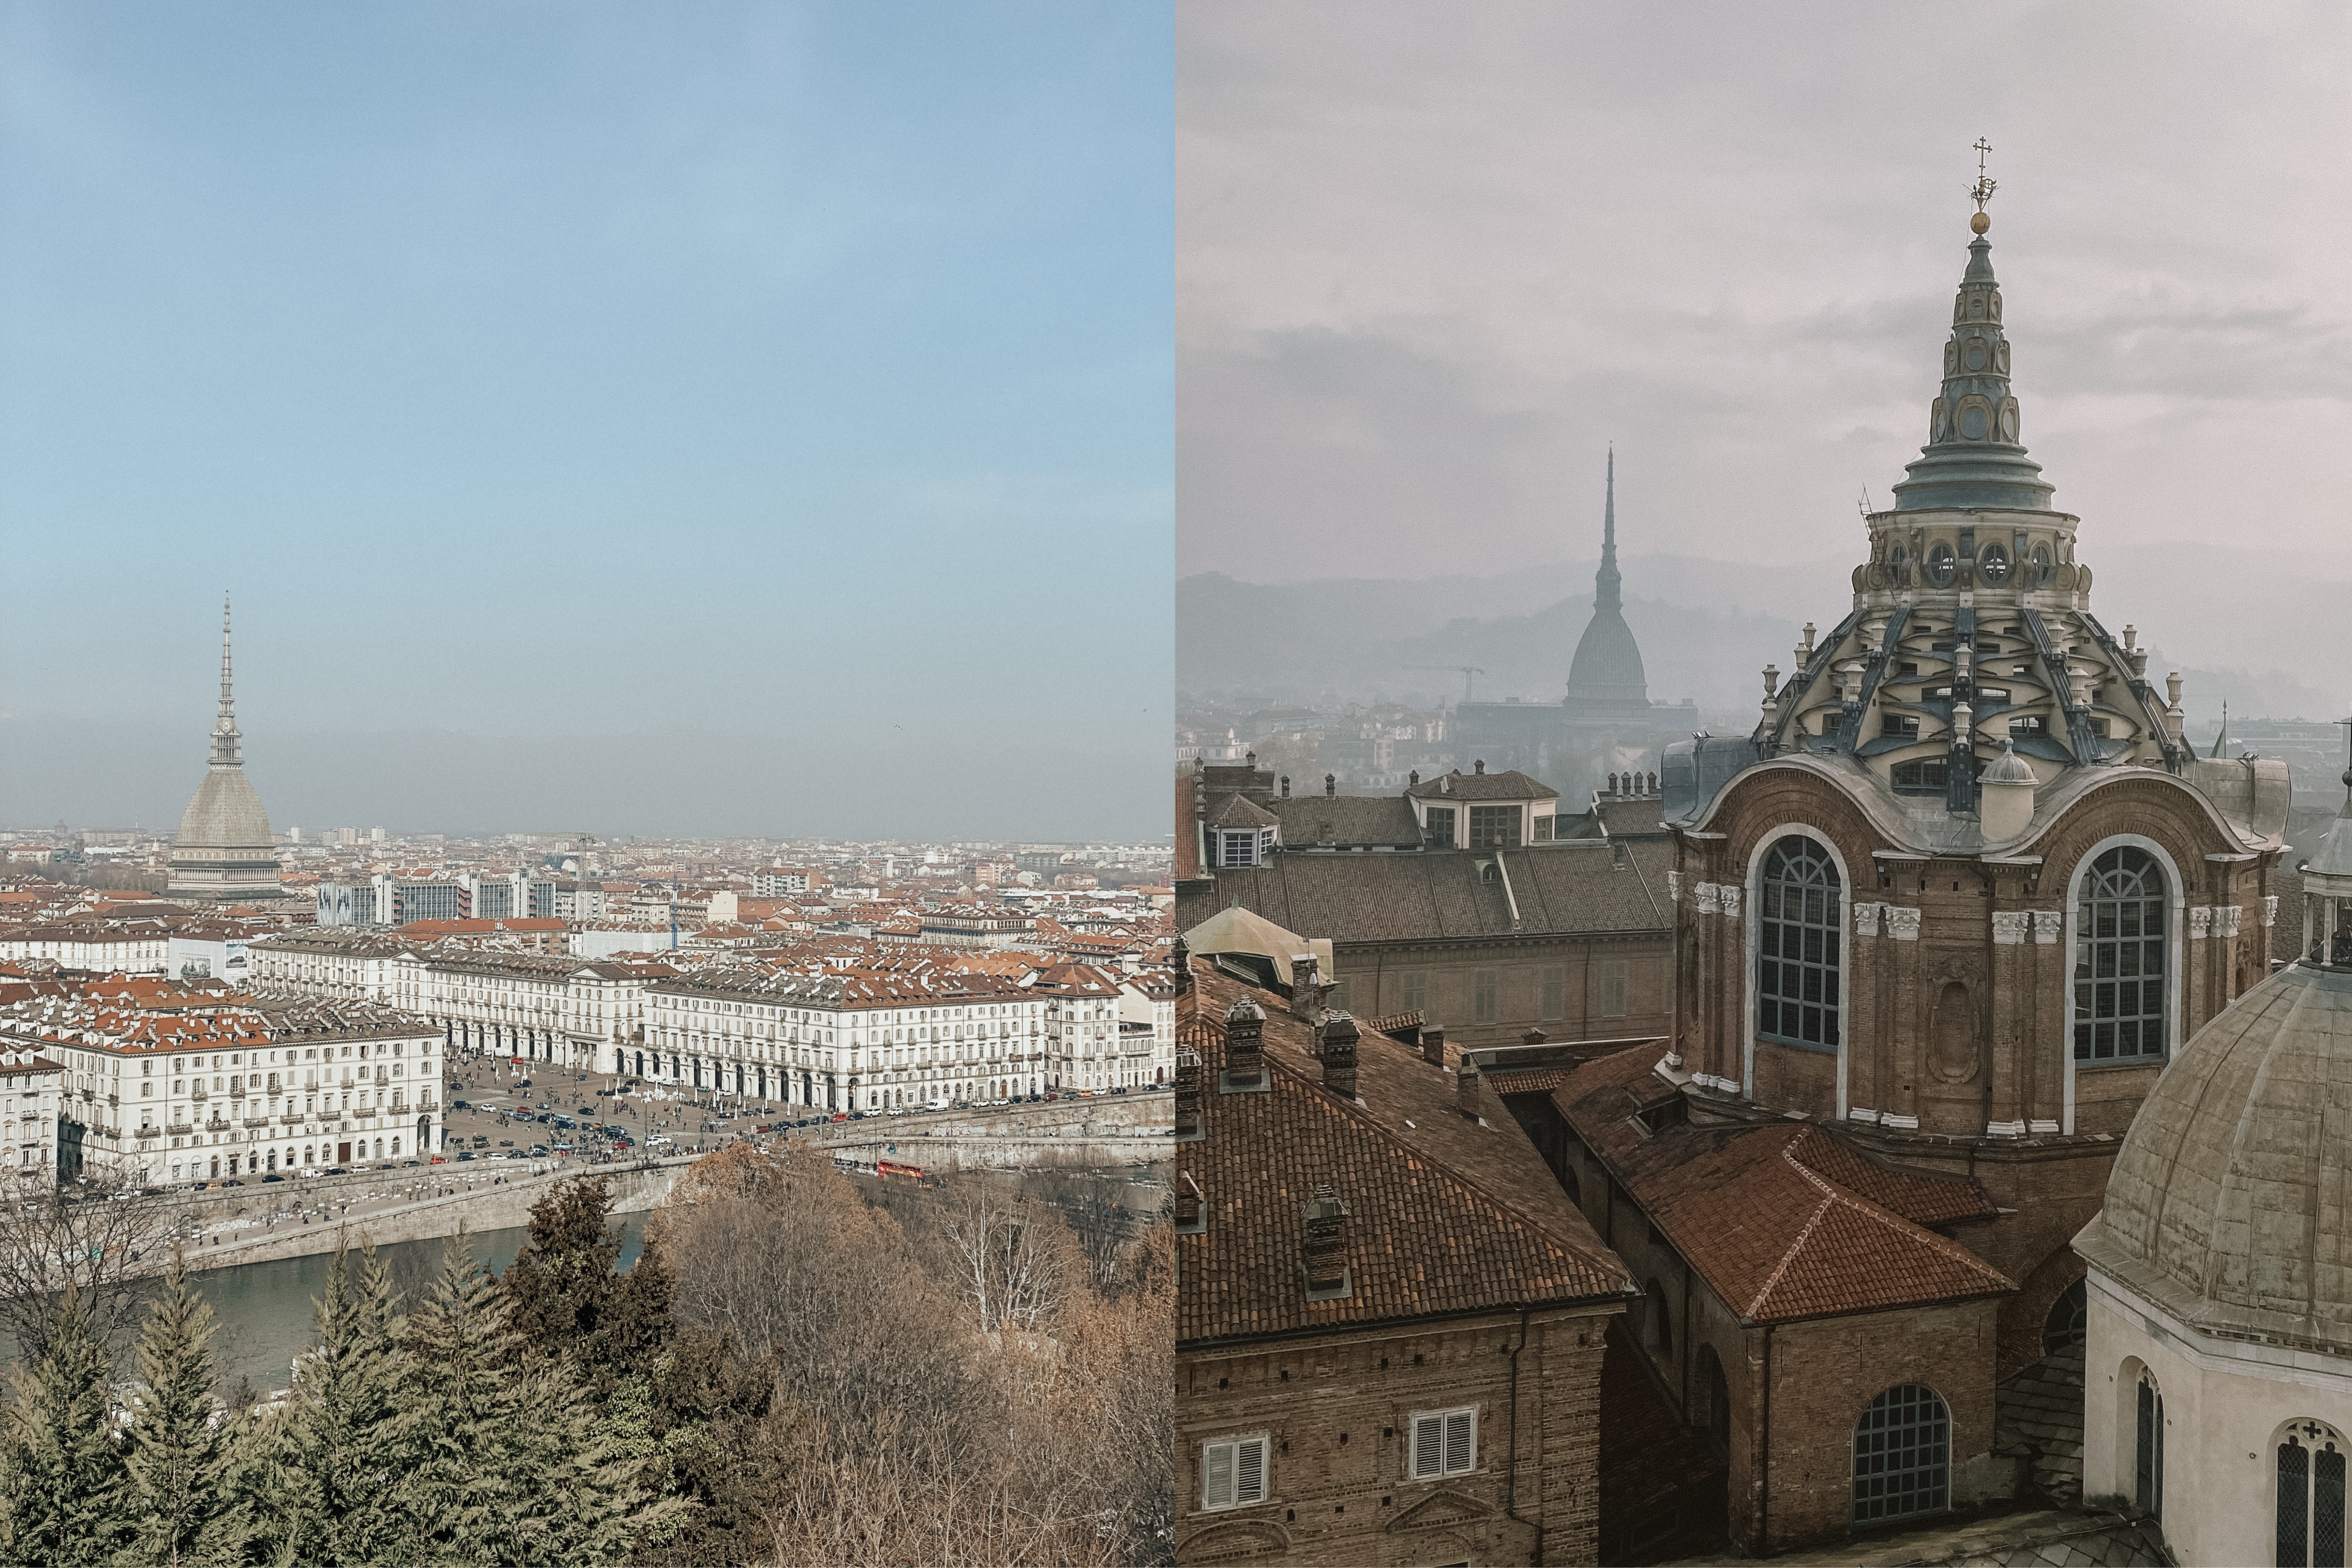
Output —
<point x="1337" y="1411"/>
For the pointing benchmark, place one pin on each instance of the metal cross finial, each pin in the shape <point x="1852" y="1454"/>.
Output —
<point x="1984" y="186"/>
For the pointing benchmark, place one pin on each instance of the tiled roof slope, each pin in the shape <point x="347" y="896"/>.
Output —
<point x="1764" y="1214"/>
<point x="1560" y="888"/>
<point x="1445" y="1216"/>
<point x="1346" y="819"/>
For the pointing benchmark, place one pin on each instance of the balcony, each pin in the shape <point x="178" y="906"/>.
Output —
<point x="255" y="1122"/>
<point x="179" y="1129"/>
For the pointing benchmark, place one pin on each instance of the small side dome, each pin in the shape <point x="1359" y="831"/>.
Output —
<point x="2008" y="768"/>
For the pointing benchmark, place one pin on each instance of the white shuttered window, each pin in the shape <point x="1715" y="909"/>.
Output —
<point x="1232" y="1472"/>
<point x="1445" y="1443"/>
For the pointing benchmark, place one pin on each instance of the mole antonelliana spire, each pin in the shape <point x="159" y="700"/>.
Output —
<point x="1605" y="678"/>
<point x="225" y="853"/>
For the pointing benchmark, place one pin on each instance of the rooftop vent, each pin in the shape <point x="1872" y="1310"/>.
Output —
<point x="1244" y="1049"/>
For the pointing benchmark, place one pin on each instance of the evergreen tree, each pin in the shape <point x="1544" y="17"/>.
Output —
<point x="338" y="1454"/>
<point x="180" y="1503"/>
<point x="561" y="1283"/>
<point x="459" y="1350"/>
<point x="61" y="1470"/>
<point x="509" y="1468"/>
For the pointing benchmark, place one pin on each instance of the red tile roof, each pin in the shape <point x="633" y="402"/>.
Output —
<point x="1764" y="1212"/>
<point x="1446" y="1215"/>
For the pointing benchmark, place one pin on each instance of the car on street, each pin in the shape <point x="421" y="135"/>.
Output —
<point x="468" y="1155"/>
<point x="538" y="1151"/>
<point x="273" y="1177"/>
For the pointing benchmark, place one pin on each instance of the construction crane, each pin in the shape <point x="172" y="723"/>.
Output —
<point x="1465" y="670"/>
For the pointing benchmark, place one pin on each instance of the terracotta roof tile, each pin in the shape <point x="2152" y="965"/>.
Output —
<point x="1445" y="1215"/>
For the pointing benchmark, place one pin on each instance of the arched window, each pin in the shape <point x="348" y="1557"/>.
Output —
<point x="1718" y="1394"/>
<point x="1660" y="1319"/>
<point x="2310" y="1532"/>
<point x="2148" y="1468"/>
<point x="1798" y="928"/>
<point x="1902" y="1456"/>
<point x="2119" y="959"/>
<point x="2065" y="1330"/>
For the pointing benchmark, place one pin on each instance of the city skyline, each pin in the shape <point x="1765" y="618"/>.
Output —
<point x="575" y="405"/>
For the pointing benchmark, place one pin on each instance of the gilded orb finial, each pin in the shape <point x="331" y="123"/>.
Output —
<point x="1982" y="191"/>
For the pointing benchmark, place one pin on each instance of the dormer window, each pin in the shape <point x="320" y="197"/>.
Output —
<point x="1495" y="826"/>
<point x="1437" y="826"/>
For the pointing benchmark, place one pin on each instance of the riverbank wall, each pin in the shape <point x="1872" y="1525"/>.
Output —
<point x="1115" y="1130"/>
<point x="634" y="1188"/>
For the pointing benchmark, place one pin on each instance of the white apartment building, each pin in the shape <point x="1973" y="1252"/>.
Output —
<point x="855" y="1040"/>
<point x="31" y="1084"/>
<point x="165" y="1086"/>
<point x="532" y="1006"/>
<point x="1082" y="1007"/>
<point x="132" y="947"/>
<point x="1147" y="1029"/>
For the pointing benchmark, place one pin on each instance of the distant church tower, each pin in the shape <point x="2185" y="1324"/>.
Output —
<point x="1605" y="678"/>
<point x="224" y="853"/>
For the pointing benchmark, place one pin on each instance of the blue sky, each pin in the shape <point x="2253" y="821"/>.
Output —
<point x="707" y="418"/>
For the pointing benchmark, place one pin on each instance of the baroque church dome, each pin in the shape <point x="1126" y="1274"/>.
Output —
<point x="2227" y="1204"/>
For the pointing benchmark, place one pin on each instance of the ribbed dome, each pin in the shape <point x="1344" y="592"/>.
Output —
<point x="1608" y="663"/>
<point x="2227" y="1206"/>
<point x="224" y="814"/>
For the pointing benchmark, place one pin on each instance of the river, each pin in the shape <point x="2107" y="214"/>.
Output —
<point x="264" y="1310"/>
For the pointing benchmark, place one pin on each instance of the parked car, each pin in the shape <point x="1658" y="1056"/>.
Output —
<point x="468" y="1155"/>
<point x="337" y="1171"/>
<point x="538" y="1151"/>
<point x="273" y="1177"/>
<point x="459" y="1105"/>
<point x="522" y="1083"/>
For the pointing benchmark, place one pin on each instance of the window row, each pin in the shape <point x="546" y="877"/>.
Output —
<point x="1440" y="1443"/>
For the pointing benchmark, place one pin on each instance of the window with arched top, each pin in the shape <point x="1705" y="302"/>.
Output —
<point x="2309" y="1472"/>
<point x="2148" y="1465"/>
<point x="2067" y="1328"/>
<point x="1716" y="1393"/>
<point x="1799" y="954"/>
<point x="2120" y="923"/>
<point x="1660" y="1319"/>
<point x="1902" y="1456"/>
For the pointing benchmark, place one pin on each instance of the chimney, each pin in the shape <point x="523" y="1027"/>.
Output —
<point x="1412" y="779"/>
<point x="1244" y="1049"/>
<point x="1470" y="1086"/>
<point x="1324" y="1257"/>
<point x="1330" y="783"/>
<point x="1532" y="1038"/>
<point x="1338" y="1038"/>
<point x="1181" y="957"/>
<point x="1305" y="990"/>
<point x="1479" y="766"/>
<point x="1433" y="1044"/>
<point x="1286" y="786"/>
<point x="1187" y="1096"/>
<point x="1252" y="756"/>
<point x="1189" y="1215"/>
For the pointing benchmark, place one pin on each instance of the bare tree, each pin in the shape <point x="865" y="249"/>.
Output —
<point x="1016" y="1263"/>
<point x="100" y="1235"/>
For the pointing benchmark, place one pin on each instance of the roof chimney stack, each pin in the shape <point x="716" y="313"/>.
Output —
<point x="1180" y="958"/>
<point x="1470" y="1086"/>
<point x="1306" y="987"/>
<point x="1337" y="1040"/>
<point x="1286" y="786"/>
<point x="1330" y="783"/>
<point x="1187" y="1096"/>
<point x="1324" y="1255"/>
<point x="1433" y="1044"/>
<point x="1244" y="1049"/>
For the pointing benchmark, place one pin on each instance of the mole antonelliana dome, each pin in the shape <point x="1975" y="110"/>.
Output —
<point x="225" y="851"/>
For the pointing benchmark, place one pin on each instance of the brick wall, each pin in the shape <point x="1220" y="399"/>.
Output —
<point x="1337" y="1413"/>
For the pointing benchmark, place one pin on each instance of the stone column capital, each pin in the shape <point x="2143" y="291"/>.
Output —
<point x="2229" y="915"/>
<point x="1709" y="897"/>
<point x="1865" y="918"/>
<point x="2010" y="926"/>
<point x="2270" y="910"/>
<point x="2047" y="924"/>
<point x="1903" y="923"/>
<point x="1674" y="887"/>
<point x="2200" y="922"/>
<point x="1730" y="896"/>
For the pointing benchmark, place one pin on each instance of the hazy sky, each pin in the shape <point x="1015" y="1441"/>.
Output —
<point x="1432" y="259"/>
<point x="712" y="418"/>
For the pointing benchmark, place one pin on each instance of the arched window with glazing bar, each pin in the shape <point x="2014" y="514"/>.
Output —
<point x="2120" y="920"/>
<point x="1799" y="951"/>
